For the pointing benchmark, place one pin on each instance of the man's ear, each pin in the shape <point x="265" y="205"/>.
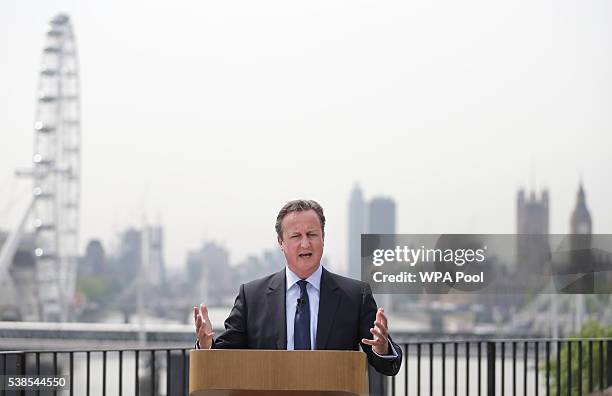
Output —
<point x="280" y="242"/>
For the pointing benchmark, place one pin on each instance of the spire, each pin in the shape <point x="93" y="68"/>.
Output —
<point x="581" y="222"/>
<point x="581" y="195"/>
<point x="533" y="175"/>
<point x="356" y="192"/>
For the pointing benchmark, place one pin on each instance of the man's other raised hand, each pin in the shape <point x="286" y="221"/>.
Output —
<point x="203" y="327"/>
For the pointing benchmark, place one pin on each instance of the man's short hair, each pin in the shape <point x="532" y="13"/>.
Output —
<point x="299" y="205"/>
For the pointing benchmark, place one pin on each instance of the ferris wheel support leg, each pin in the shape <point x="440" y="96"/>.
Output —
<point x="12" y="242"/>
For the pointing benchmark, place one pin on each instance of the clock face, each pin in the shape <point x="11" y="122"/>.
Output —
<point x="583" y="228"/>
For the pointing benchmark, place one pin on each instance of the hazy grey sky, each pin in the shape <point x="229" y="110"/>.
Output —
<point x="213" y="114"/>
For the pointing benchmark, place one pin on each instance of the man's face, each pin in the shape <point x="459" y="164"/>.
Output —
<point x="302" y="242"/>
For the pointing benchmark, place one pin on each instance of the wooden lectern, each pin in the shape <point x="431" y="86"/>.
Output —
<point x="239" y="372"/>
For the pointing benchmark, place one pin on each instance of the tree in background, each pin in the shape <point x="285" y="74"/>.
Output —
<point x="591" y="329"/>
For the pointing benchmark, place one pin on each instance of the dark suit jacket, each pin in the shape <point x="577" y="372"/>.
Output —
<point x="347" y="311"/>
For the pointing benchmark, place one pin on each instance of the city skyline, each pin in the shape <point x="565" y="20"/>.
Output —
<point x="205" y="270"/>
<point x="213" y="129"/>
<point x="531" y="215"/>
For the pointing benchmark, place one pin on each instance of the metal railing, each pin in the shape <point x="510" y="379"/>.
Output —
<point x="491" y="367"/>
<point x="504" y="367"/>
<point x="144" y="371"/>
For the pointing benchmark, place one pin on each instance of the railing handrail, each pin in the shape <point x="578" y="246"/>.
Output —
<point x="424" y="342"/>
<point x="143" y="349"/>
<point x="473" y="341"/>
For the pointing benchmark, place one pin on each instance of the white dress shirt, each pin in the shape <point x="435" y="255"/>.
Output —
<point x="293" y="293"/>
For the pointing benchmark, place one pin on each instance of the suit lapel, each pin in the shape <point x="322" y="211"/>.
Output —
<point x="328" y="305"/>
<point x="277" y="313"/>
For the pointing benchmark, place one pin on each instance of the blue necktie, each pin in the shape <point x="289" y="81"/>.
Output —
<point x="301" y="326"/>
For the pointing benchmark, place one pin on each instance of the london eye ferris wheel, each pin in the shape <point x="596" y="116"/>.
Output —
<point x="56" y="171"/>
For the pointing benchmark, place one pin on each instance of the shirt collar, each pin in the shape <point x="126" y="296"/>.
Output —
<point x="314" y="279"/>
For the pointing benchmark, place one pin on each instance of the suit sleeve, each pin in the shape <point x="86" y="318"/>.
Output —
<point x="235" y="334"/>
<point x="368" y="316"/>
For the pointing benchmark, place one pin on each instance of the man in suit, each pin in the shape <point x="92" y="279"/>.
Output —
<point x="304" y="306"/>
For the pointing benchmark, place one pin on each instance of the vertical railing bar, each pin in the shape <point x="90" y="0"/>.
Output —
<point x="467" y="367"/>
<point x="580" y="367"/>
<point x="22" y="359"/>
<point x="558" y="368"/>
<point x="187" y="373"/>
<point x="37" y="366"/>
<point x="514" y="368"/>
<point x="525" y="356"/>
<point x="88" y="371"/>
<point x="136" y="379"/>
<point x="601" y="364"/>
<point x="22" y="363"/>
<point x="609" y="361"/>
<point x="491" y="368"/>
<point x="393" y="385"/>
<point x="72" y="382"/>
<point x="569" y="368"/>
<point x="120" y="373"/>
<point x="536" y="359"/>
<point x="590" y="366"/>
<point x="103" y="373"/>
<point x="55" y="369"/>
<point x="443" y="368"/>
<point x="153" y="373"/>
<point x="479" y="346"/>
<point x="3" y="372"/>
<point x="547" y="368"/>
<point x="431" y="372"/>
<point x="503" y="368"/>
<point x="419" y="369"/>
<point x="168" y="370"/>
<point x="406" y="349"/>
<point x="455" y="361"/>
<point x="184" y="373"/>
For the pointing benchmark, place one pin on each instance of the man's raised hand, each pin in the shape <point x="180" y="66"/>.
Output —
<point x="203" y="327"/>
<point x="380" y="343"/>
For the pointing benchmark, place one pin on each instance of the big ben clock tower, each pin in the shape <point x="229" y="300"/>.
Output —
<point x="581" y="228"/>
<point x="581" y="218"/>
